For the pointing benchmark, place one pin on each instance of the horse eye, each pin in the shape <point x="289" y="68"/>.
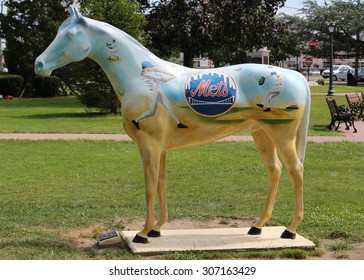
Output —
<point x="70" y="34"/>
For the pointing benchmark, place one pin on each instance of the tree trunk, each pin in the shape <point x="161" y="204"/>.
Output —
<point x="115" y="105"/>
<point x="188" y="58"/>
<point x="357" y="57"/>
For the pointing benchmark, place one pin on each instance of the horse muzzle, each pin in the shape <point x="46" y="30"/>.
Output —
<point x="41" y="70"/>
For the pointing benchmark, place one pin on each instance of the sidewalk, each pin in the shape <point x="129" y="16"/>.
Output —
<point x="347" y="135"/>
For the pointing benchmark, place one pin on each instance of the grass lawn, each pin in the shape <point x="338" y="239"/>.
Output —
<point x="68" y="115"/>
<point x="339" y="89"/>
<point x="55" y="115"/>
<point x="52" y="187"/>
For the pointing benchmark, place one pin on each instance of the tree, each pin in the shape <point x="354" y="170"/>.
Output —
<point x="178" y="24"/>
<point x="239" y="26"/>
<point x="291" y="41"/>
<point x="28" y="28"/>
<point x="348" y="17"/>
<point x="222" y="29"/>
<point x="91" y="82"/>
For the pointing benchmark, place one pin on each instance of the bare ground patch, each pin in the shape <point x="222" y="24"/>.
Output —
<point x="332" y="250"/>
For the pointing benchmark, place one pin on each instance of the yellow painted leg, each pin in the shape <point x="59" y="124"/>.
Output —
<point x="273" y="166"/>
<point x="151" y="157"/>
<point x="162" y="196"/>
<point x="287" y="150"/>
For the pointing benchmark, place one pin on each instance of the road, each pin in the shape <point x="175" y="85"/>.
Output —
<point x="314" y="78"/>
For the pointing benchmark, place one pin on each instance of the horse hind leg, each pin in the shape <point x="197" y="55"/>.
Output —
<point x="287" y="150"/>
<point x="162" y="196"/>
<point x="273" y="166"/>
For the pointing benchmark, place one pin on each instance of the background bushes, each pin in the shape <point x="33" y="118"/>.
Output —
<point x="10" y="85"/>
<point x="46" y="86"/>
<point x="40" y="87"/>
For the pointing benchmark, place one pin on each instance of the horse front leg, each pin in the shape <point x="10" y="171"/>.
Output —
<point x="151" y="157"/>
<point x="162" y="196"/>
<point x="273" y="166"/>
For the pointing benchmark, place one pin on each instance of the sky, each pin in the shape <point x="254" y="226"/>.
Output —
<point x="292" y="6"/>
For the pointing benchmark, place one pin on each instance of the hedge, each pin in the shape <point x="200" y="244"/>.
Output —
<point x="46" y="86"/>
<point x="10" y="85"/>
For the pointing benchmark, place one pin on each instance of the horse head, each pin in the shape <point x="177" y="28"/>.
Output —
<point x="70" y="45"/>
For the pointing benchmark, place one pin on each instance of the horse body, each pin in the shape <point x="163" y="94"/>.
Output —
<point x="167" y="106"/>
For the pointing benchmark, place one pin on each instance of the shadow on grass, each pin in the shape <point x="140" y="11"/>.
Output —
<point x="85" y="115"/>
<point x="322" y="128"/>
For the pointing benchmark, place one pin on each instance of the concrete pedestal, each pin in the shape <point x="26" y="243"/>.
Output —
<point x="218" y="239"/>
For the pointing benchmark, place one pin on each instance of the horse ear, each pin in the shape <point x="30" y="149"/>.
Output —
<point x="77" y="14"/>
<point x="71" y="9"/>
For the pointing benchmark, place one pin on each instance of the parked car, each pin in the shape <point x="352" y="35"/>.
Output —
<point x="342" y="75"/>
<point x="312" y="72"/>
<point x="315" y="72"/>
<point x="361" y="74"/>
<point x="339" y="72"/>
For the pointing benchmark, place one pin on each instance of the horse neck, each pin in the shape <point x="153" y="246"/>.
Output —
<point x="125" y="69"/>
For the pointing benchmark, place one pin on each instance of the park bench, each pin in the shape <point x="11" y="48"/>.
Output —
<point x="355" y="104"/>
<point x="340" y="114"/>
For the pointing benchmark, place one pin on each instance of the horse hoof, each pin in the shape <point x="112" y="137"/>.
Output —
<point x="154" y="233"/>
<point x="139" y="239"/>
<point x="255" y="231"/>
<point x="136" y="124"/>
<point x="288" y="235"/>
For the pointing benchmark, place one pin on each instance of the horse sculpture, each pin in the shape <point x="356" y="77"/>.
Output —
<point x="197" y="107"/>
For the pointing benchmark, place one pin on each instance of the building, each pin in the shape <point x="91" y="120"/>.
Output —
<point x="259" y="57"/>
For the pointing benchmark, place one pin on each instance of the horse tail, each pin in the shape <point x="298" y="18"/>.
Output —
<point x="301" y="138"/>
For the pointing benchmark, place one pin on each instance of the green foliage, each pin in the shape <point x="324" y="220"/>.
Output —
<point x="341" y="256"/>
<point x="213" y="27"/>
<point x="10" y="85"/>
<point x="46" y="86"/>
<point x="94" y="89"/>
<point x="338" y="246"/>
<point x="321" y="82"/>
<point x="28" y="28"/>
<point x="296" y="254"/>
<point x="348" y="16"/>
<point x="335" y="234"/>
<point x="123" y="14"/>
<point x="88" y="80"/>
<point x="290" y="40"/>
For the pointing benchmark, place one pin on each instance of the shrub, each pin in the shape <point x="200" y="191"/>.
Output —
<point x="46" y="86"/>
<point x="10" y="85"/>
<point x="321" y="82"/>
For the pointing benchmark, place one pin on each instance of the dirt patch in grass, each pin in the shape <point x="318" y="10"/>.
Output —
<point x="85" y="238"/>
<point x="336" y="249"/>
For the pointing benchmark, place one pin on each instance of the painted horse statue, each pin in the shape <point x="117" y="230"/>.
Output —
<point x="167" y="106"/>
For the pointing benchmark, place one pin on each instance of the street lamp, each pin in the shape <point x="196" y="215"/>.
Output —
<point x="1" y="40"/>
<point x="331" y="29"/>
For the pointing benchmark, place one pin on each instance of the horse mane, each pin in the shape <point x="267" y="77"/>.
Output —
<point x="118" y="33"/>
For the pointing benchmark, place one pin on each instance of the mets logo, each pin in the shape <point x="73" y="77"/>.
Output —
<point x="211" y="93"/>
